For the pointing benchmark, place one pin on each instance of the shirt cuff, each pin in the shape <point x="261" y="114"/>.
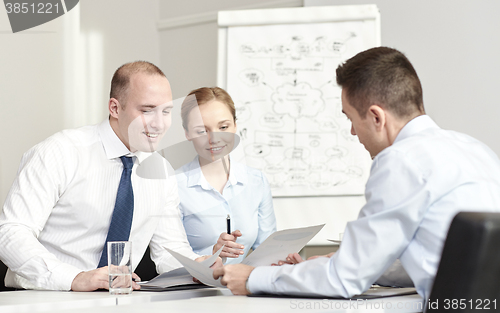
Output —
<point x="62" y="276"/>
<point x="261" y="279"/>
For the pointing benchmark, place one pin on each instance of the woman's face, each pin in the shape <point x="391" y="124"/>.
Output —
<point x="211" y="128"/>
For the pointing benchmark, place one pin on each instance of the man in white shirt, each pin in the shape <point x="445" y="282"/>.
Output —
<point x="56" y="217"/>
<point x="421" y="177"/>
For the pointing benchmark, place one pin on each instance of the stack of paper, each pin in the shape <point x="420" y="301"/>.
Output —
<point x="275" y="248"/>
<point x="165" y="281"/>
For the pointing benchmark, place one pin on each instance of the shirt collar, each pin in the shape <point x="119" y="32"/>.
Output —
<point x="114" y="147"/>
<point x="194" y="175"/>
<point x="237" y="174"/>
<point x="416" y="125"/>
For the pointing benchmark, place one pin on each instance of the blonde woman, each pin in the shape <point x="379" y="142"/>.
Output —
<point x="213" y="186"/>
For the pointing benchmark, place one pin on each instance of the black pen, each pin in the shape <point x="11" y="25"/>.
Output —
<point x="228" y="221"/>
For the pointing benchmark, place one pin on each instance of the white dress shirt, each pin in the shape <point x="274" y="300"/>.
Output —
<point x="415" y="188"/>
<point x="246" y="197"/>
<point x="57" y="214"/>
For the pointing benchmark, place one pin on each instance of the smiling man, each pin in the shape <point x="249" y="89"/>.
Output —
<point x="140" y="108"/>
<point x="67" y="198"/>
<point x="421" y="177"/>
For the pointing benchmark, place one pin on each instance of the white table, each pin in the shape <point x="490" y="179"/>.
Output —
<point x="242" y="304"/>
<point x="50" y="301"/>
<point x="200" y="300"/>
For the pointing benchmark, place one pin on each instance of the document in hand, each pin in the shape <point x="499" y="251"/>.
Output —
<point x="201" y="271"/>
<point x="275" y="248"/>
<point x="179" y="278"/>
<point x="168" y="280"/>
<point x="375" y="292"/>
<point x="281" y="243"/>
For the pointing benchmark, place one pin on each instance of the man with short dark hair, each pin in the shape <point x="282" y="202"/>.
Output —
<point x="420" y="178"/>
<point x="59" y="213"/>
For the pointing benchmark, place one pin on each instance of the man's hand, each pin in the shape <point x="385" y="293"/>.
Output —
<point x="217" y="263"/>
<point x="295" y="258"/>
<point x="292" y="258"/>
<point x="91" y="280"/>
<point x="135" y="280"/>
<point x="234" y="277"/>
<point x="97" y="279"/>
<point x="231" y="248"/>
<point x="329" y="255"/>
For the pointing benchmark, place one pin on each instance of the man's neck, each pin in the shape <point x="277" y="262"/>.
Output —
<point x="397" y="124"/>
<point x="113" y="122"/>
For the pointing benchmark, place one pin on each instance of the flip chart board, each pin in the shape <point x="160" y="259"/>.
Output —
<point x="279" y="67"/>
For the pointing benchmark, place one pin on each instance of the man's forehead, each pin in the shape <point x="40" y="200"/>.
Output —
<point x="343" y="106"/>
<point x="343" y="101"/>
<point x="343" y="95"/>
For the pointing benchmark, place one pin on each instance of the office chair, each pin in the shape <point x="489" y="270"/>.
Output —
<point x="3" y="270"/>
<point x="468" y="277"/>
<point x="146" y="268"/>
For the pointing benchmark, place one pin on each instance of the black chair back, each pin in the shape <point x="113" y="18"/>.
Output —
<point x="3" y="271"/>
<point x="146" y="268"/>
<point x="468" y="277"/>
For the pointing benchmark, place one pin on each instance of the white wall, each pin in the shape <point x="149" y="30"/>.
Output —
<point x="57" y="75"/>
<point x="188" y="39"/>
<point x="31" y="101"/>
<point x="127" y="32"/>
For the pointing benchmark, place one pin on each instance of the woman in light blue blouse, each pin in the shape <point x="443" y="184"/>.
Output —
<point x="213" y="186"/>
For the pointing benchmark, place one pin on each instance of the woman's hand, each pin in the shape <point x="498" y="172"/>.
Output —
<point x="231" y="248"/>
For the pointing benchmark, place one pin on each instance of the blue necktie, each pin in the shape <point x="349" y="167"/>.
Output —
<point x="121" y="221"/>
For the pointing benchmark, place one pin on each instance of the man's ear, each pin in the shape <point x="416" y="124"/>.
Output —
<point x="113" y="107"/>
<point x="377" y="116"/>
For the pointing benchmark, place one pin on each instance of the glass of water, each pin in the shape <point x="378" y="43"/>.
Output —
<point x="120" y="267"/>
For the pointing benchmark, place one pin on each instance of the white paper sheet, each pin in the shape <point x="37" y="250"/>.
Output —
<point x="281" y="243"/>
<point x="275" y="248"/>
<point x="211" y="260"/>
<point x="177" y="277"/>
<point x="335" y="241"/>
<point x="201" y="271"/>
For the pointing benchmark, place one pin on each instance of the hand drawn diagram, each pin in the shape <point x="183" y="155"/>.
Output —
<point x="289" y="113"/>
